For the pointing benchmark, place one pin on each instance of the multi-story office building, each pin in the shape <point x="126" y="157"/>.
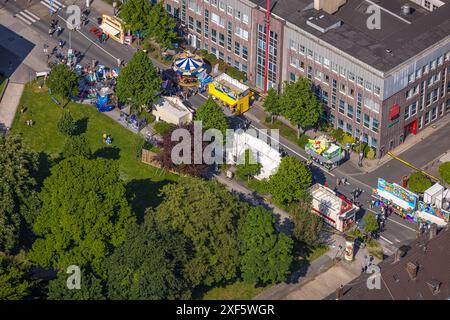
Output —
<point x="382" y="70"/>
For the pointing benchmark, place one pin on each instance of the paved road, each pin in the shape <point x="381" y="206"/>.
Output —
<point x="397" y="230"/>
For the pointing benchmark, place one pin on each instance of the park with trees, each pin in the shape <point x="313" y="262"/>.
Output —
<point x="136" y="231"/>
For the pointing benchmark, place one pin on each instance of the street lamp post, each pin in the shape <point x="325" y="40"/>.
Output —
<point x="114" y="6"/>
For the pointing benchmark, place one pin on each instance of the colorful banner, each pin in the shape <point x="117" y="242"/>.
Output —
<point x="400" y="196"/>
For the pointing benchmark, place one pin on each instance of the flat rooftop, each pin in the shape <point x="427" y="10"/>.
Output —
<point x="400" y="37"/>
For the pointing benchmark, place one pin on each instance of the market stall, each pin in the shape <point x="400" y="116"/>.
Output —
<point x="337" y="211"/>
<point x="401" y="200"/>
<point x="231" y="93"/>
<point x="113" y="27"/>
<point x="324" y="152"/>
<point x="434" y="208"/>
<point x="172" y="110"/>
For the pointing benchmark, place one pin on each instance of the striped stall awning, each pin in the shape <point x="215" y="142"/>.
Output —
<point x="188" y="64"/>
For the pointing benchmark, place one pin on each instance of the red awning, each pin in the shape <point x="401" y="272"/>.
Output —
<point x="395" y="110"/>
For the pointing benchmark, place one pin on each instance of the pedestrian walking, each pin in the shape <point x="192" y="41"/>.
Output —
<point x="338" y="181"/>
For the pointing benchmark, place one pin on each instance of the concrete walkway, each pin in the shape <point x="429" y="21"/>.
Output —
<point x="9" y="103"/>
<point x="323" y="276"/>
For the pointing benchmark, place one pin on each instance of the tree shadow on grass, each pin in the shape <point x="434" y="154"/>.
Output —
<point x="43" y="170"/>
<point x="142" y="194"/>
<point x="81" y="125"/>
<point x="111" y="153"/>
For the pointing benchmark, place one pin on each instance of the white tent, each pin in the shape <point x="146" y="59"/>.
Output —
<point x="268" y="156"/>
<point x="434" y="195"/>
<point x="172" y="110"/>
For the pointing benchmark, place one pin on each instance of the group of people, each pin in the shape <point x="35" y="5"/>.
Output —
<point x="54" y="26"/>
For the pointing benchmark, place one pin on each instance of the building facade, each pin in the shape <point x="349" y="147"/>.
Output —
<point x="379" y="86"/>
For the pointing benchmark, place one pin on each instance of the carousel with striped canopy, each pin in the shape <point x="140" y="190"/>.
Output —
<point x="188" y="66"/>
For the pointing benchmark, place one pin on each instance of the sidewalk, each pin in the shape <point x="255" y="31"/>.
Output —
<point x="412" y="140"/>
<point x="323" y="276"/>
<point x="9" y="104"/>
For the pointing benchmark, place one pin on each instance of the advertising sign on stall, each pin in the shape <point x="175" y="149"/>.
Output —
<point x="400" y="196"/>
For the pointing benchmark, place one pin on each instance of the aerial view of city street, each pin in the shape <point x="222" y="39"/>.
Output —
<point x="223" y="150"/>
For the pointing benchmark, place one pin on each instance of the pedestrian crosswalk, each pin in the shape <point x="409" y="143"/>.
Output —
<point x="27" y="17"/>
<point x="54" y="5"/>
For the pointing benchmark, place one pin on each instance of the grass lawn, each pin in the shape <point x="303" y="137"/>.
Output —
<point x="287" y="132"/>
<point x="142" y="180"/>
<point x="235" y="291"/>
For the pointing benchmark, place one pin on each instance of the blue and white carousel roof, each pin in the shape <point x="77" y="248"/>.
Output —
<point x="188" y="64"/>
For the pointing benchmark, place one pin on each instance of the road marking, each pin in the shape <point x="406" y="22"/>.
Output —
<point x="55" y="5"/>
<point x="93" y="42"/>
<point x="23" y="19"/>
<point x="28" y="17"/>
<point x="387" y="240"/>
<point x="32" y="14"/>
<point x="402" y="225"/>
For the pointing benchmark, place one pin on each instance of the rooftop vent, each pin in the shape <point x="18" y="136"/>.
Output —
<point x="412" y="270"/>
<point x="323" y="22"/>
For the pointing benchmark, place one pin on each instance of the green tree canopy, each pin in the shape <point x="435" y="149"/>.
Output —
<point x="247" y="165"/>
<point x="307" y="225"/>
<point x="136" y="14"/>
<point x="13" y="283"/>
<point x="91" y="288"/>
<point x="63" y="81"/>
<point x="370" y="223"/>
<point x="272" y="103"/>
<point x="207" y="214"/>
<point x="212" y="116"/>
<point x="418" y="182"/>
<point x="299" y="103"/>
<point x="18" y="198"/>
<point x="149" y="265"/>
<point x="161" y="26"/>
<point x="444" y="171"/>
<point x="266" y="253"/>
<point x="138" y="83"/>
<point x="66" y="124"/>
<point x="77" y="146"/>
<point x="290" y="182"/>
<point x="84" y="214"/>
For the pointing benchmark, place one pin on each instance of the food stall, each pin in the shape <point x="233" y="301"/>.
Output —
<point x="337" y="211"/>
<point x="231" y="93"/>
<point x="434" y="208"/>
<point x="403" y="201"/>
<point x="324" y="152"/>
<point x="113" y="27"/>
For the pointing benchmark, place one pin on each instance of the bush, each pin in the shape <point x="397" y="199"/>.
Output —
<point x="355" y="234"/>
<point x="236" y="74"/>
<point x="77" y="146"/>
<point x="418" y="182"/>
<point x="370" y="153"/>
<point x="260" y="186"/>
<point x="162" y="127"/>
<point x="346" y="138"/>
<point x="67" y="124"/>
<point x="337" y="134"/>
<point x="444" y="171"/>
